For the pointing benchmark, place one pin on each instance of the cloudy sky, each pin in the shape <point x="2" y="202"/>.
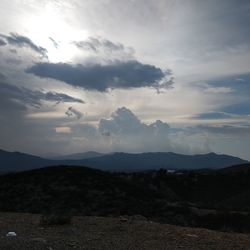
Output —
<point x="133" y="76"/>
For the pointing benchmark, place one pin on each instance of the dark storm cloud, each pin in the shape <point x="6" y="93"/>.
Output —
<point x="17" y="99"/>
<point x="10" y="100"/>
<point x="131" y="74"/>
<point x="19" y="96"/>
<point x="59" y="97"/>
<point x="2" y="42"/>
<point x="55" y="43"/>
<point x="22" y="41"/>
<point x="72" y="112"/>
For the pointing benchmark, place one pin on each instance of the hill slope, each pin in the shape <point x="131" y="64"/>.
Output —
<point x="79" y="189"/>
<point x="16" y="161"/>
<point x="237" y="169"/>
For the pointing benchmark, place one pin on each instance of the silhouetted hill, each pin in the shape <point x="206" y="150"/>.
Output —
<point x="80" y="190"/>
<point x="15" y="161"/>
<point x="237" y="168"/>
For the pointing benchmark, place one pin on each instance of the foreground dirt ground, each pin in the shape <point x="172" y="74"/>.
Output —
<point x="111" y="233"/>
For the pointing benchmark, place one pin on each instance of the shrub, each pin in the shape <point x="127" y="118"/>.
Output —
<point x="55" y="219"/>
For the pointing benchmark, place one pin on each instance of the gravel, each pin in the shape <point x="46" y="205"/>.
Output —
<point x="134" y="232"/>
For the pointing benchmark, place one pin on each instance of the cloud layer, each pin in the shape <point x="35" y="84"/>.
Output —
<point x="131" y="74"/>
<point x="16" y="98"/>
<point x="100" y="45"/>
<point x="22" y="41"/>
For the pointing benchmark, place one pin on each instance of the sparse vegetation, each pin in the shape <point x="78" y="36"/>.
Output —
<point x="210" y="199"/>
<point x="55" y="219"/>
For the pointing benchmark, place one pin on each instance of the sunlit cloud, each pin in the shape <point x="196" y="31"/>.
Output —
<point x="63" y="130"/>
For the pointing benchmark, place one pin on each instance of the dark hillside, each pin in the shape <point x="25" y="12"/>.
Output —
<point x="16" y="161"/>
<point x="78" y="190"/>
<point x="242" y="168"/>
<point x="210" y="199"/>
<point x="205" y="189"/>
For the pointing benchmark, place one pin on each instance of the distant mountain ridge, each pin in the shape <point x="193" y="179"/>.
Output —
<point x="16" y="161"/>
<point x="167" y="160"/>
<point x="79" y="156"/>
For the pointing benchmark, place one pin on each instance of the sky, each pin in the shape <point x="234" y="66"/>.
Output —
<point x="132" y="76"/>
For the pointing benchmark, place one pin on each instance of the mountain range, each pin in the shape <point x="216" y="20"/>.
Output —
<point x="16" y="161"/>
<point x="79" y="156"/>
